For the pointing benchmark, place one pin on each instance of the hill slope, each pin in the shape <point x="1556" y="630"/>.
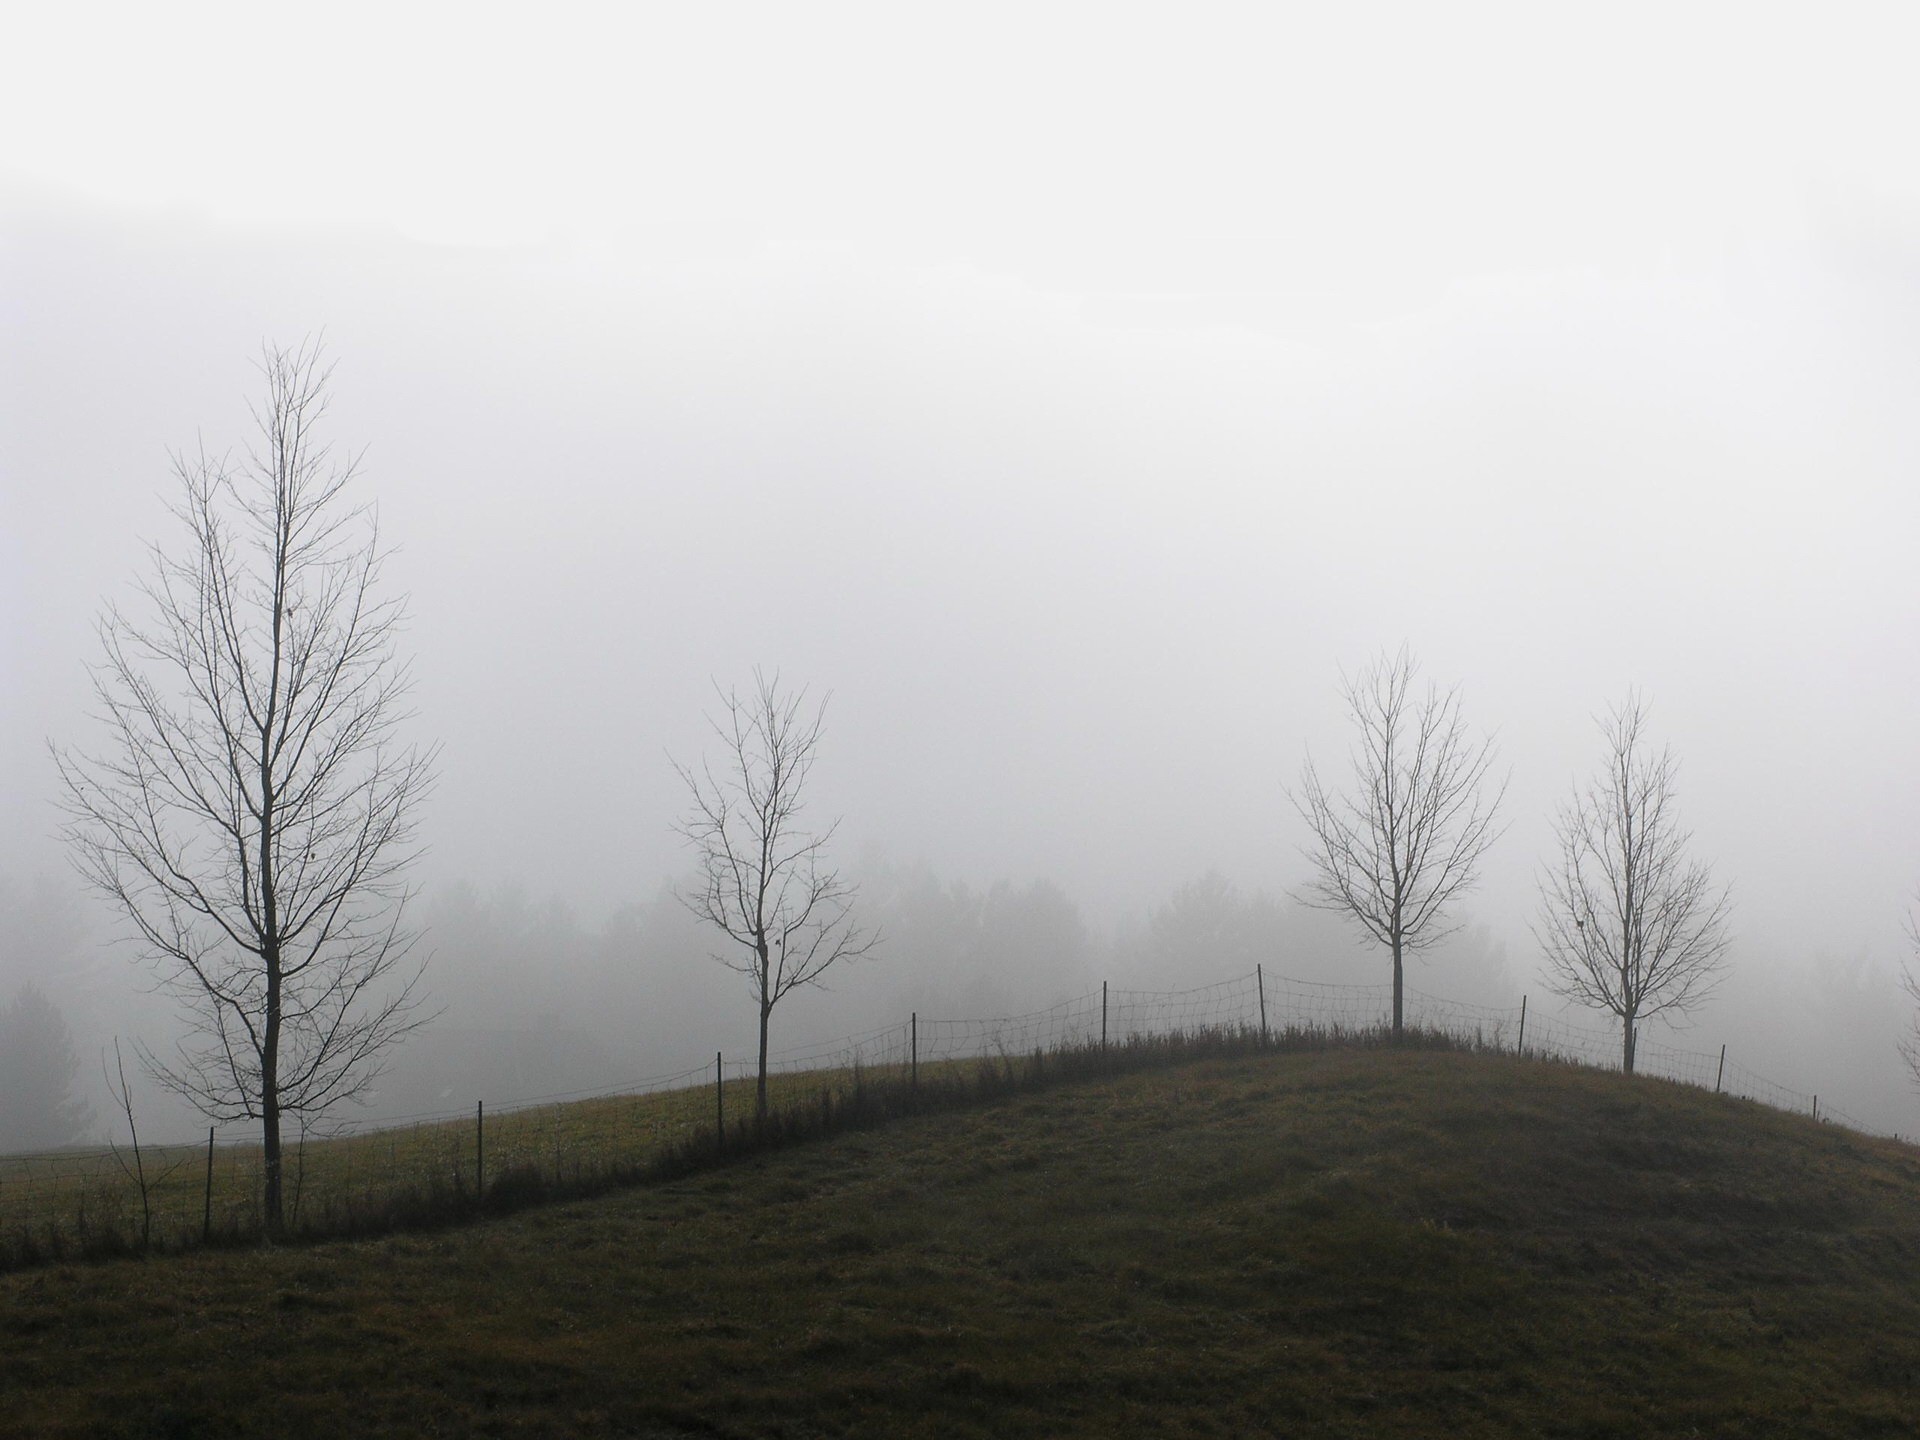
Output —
<point x="1348" y="1243"/>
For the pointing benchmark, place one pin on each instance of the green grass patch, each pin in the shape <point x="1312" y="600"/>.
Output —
<point x="1345" y="1243"/>
<point x="88" y="1204"/>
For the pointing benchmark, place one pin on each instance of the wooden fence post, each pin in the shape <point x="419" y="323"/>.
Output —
<point x="1521" y="1048"/>
<point x="1260" y="979"/>
<point x="719" y="1104"/>
<point x="1721" y="1071"/>
<point x="1103" y="1017"/>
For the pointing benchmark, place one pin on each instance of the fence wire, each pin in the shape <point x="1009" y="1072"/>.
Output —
<point x="1227" y="1005"/>
<point x="1058" y="1027"/>
<point x="342" y="1175"/>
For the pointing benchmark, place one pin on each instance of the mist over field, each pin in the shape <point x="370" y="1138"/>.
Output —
<point x="1074" y="444"/>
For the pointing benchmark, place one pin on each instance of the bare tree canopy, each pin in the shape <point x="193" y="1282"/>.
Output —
<point x="251" y="807"/>
<point x="763" y="880"/>
<point x="1629" y="924"/>
<point x="1395" y="850"/>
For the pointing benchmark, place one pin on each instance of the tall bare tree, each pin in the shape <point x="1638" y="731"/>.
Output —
<point x="1628" y="922"/>
<point x="763" y="881"/>
<point x="1394" y="850"/>
<point x="251" y="808"/>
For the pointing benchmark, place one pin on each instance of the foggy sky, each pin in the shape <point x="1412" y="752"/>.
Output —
<point x="1071" y="400"/>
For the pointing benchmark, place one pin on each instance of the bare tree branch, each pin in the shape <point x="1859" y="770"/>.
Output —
<point x="1628" y="923"/>
<point x="251" y="808"/>
<point x="1395" y="850"/>
<point x="122" y="1094"/>
<point x="762" y="881"/>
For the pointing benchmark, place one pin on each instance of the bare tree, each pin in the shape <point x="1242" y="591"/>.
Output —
<point x="251" y="809"/>
<point x="122" y="1094"/>
<point x="1396" y="849"/>
<point x="763" y="882"/>
<point x="1629" y="924"/>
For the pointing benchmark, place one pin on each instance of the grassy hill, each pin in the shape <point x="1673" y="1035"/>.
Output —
<point x="1363" y="1243"/>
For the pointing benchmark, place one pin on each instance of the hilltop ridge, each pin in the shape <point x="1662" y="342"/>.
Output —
<point x="1378" y="1242"/>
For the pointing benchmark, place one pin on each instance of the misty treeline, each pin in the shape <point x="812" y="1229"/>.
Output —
<point x="537" y="997"/>
<point x="534" y="998"/>
<point x="43" y="974"/>
<point x="540" y="1000"/>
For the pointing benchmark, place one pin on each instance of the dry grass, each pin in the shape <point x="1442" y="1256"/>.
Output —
<point x="1346" y="1243"/>
<point x="90" y="1204"/>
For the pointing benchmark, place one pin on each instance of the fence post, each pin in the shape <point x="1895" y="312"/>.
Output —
<point x="1260" y="979"/>
<point x="206" y="1212"/>
<point x="1521" y="1048"/>
<point x="1103" y="1017"/>
<point x="913" y="1033"/>
<point x="719" y="1104"/>
<point x="1721" y="1071"/>
<point x="1816" y="1107"/>
<point x="480" y="1149"/>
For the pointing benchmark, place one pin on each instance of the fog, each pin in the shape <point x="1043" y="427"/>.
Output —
<point x="1072" y="404"/>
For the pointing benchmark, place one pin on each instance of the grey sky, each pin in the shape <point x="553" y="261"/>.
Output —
<point x="1072" y="398"/>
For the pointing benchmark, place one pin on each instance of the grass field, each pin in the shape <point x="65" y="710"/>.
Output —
<point x="1347" y="1243"/>
<point x="93" y="1203"/>
<point x="88" y="1201"/>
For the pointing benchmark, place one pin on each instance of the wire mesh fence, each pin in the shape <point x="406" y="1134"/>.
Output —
<point x="1058" y="1027"/>
<point x="348" y="1178"/>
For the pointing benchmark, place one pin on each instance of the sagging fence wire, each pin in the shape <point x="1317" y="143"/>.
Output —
<point x="347" y="1178"/>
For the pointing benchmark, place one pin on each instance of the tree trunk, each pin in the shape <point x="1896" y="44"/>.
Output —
<point x="760" y="1094"/>
<point x="270" y="946"/>
<point x="1627" y="1039"/>
<point x="270" y="1156"/>
<point x="1398" y="974"/>
<point x="270" y="1206"/>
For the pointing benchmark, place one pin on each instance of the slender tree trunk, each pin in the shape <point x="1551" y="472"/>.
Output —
<point x="270" y="959"/>
<point x="1627" y="1039"/>
<point x="270" y="1153"/>
<point x="760" y="1093"/>
<point x="270" y="1101"/>
<point x="1398" y="984"/>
